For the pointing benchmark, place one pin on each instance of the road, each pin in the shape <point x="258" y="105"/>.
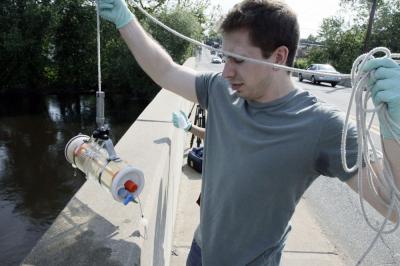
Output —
<point x="335" y="206"/>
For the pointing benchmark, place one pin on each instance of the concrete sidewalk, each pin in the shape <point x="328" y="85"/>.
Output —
<point x="307" y="244"/>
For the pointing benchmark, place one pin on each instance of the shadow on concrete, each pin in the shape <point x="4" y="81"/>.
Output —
<point x="158" y="254"/>
<point x="165" y="141"/>
<point x="161" y="218"/>
<point x="332" y="90"/>
<point x="190" y="172"/>
<point x="327" y="85"/>
<point x="82" y="237"/>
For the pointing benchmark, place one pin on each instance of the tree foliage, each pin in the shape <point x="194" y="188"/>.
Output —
<point x="182" y="21"/>
<point x="386" y="31"/>
<point x="50" y="45"/>
<point x="74" y="55"/>
<point x="24" y="38"/>
<point x="343" y="43"/>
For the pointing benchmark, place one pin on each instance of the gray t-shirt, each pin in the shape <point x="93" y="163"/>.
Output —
<point x="259" y="158"/>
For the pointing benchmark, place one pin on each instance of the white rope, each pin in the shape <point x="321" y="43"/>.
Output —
<point x="360" y="95"/>
<point x="98" y="45"/>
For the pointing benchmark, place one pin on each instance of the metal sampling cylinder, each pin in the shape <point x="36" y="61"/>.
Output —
<point x="123" y="181"/>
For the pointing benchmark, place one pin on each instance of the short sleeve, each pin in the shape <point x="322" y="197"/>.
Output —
<point x="328" y="160"/>
<point x="204" y="83"/>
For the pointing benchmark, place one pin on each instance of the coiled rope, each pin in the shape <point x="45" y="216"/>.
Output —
<point x="361" y="95"/>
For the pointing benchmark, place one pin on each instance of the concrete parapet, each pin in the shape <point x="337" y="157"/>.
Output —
<point x="345" y="82"/>
<point x="93" y="229"/>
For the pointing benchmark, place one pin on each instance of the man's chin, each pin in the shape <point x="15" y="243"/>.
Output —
<point x="242" y="95"/>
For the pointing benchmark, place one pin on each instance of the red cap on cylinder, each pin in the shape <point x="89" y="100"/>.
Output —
<point x="130" y="186"/>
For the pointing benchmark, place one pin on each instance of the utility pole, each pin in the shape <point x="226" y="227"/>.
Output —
<point x="370" y="22"/>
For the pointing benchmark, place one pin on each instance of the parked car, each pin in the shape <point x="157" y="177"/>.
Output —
<point x="221" y="55"/>
<point x="316" y="78"/>
<point x="216" y="60"/>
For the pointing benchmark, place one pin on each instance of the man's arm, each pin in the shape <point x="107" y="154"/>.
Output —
<point x="392" y="150"/>
<point x="385" y="89"/>
<point x="154" y="60"/>
<point x="157" y="63"/>
<point x="198" y="131"/>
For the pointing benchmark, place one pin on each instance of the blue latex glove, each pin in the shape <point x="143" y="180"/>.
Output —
<point x="180" y="120"/>
<point x="385" y="88"/>
<point x="115" y="11"/>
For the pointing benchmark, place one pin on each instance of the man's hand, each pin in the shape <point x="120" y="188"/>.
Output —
<point x="115" y="11"/>
<point x="385" y="88"/>
<point x="180" y="120"/>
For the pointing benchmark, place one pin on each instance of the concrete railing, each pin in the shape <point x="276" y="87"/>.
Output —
<point x="93" y="229"/>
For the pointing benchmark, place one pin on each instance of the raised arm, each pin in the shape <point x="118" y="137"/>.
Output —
<point x="154" y="60"/>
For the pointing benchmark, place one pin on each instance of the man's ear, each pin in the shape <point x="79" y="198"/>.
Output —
<point x="280" y="55"/>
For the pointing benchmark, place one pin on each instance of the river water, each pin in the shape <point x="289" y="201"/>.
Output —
<point x="36" y="182"/>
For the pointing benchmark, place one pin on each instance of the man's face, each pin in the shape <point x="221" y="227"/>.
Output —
<point x="251" y="81"/>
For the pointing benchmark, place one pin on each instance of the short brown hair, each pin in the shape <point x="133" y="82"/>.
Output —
<point x="271" y="23"/>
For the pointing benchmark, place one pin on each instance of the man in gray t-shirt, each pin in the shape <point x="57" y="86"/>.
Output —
<point x="266" y="141"/>
<point x="259" y="158"/>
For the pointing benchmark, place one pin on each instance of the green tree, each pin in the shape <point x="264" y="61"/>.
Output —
<point x="24" y="27"/>
<point x="183" y="21"/>
<point x="340" y="47"/>
<point x="75" y="49"/>
<point x="386" y="27"/>
<point x="311" y="39"/>
<point x="52" y="44"/>
<point x="122" y="72"/>
<point x="212" y="26"/>
<point x="342" y="44"/>
<point x="372" y="6"/>
<point x="152" y="6"/>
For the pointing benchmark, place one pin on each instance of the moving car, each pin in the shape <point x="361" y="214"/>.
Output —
<point x="317" y="78"/>
<point x="216" y="60"/>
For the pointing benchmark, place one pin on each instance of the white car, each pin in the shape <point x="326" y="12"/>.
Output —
<point x="316" y="79"/>
<point x="216" y="60"/>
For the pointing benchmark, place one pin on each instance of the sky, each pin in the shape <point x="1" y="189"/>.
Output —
<point x="309" y="12"/>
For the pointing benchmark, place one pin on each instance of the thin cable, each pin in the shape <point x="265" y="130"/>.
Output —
<point x="99" y="94"/>
<point x="98" y="45"/>
<point x="143" y="220"/>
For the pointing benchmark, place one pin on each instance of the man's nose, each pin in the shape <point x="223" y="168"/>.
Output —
<point x="229" y="70"/>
